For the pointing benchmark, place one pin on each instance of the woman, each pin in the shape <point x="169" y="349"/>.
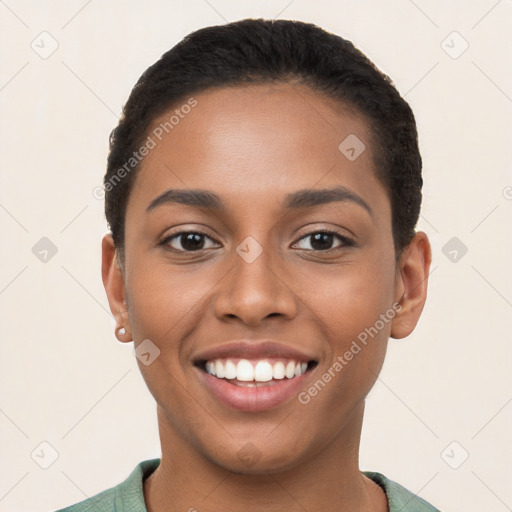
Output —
<point x="262" y="191"/>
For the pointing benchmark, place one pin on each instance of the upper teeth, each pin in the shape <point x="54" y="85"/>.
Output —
<point x="259" y="371"/>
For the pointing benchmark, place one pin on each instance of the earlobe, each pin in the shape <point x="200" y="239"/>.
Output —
<point x="411" y="285"/>
<point x="113" y="281"/>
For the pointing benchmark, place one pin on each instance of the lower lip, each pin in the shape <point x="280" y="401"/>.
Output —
<point x="253" y="399"/>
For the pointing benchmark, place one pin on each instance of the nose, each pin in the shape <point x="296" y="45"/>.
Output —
<point x="254" y="290"/>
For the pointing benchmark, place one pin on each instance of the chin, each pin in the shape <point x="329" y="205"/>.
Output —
<point x="258" y="457"/>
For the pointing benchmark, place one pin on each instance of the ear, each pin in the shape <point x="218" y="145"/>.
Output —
<point x="411" y="285"/>
<point x="113" y="281"/>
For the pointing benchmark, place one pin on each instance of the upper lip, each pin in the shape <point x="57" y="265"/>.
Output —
<point x="252" y="349"/>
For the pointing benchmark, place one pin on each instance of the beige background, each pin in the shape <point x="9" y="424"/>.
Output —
<point x="64" y="378"/>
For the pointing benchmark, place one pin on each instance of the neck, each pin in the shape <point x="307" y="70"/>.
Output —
<point x="328" y="482"/>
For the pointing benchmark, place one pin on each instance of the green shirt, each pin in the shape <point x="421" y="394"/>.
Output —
<point x="128" y="496"/>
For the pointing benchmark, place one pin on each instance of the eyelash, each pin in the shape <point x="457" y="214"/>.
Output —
<point x="346" y="242"/>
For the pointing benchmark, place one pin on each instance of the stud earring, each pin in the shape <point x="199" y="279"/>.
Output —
<point x="121" y="331"/>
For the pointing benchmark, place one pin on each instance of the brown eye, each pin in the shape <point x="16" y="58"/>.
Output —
<point x="323" y="240"/>
<point x="187" y="241"/>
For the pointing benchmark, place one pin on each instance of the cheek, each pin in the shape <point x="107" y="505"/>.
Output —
<point x="357" y="331"/>
<point x="165" y="306"/>
<point x="356" y="312"/>
<point x="164" y="301"/>
<point x="353" y="297"/>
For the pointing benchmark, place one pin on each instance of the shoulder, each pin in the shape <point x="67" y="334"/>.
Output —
<point x="399" y="498"/>
<point x="102" y="502"/>
<point x="128" y="495"/>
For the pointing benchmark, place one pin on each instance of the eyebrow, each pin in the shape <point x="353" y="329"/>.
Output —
<point x="305" y="198"/>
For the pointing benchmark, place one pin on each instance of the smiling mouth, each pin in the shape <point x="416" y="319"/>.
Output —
<point x="255" y="372"/>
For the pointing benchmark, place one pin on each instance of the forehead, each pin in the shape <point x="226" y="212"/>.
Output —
<point x="244" y="142"/>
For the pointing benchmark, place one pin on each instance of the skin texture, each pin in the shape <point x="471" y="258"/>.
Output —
<point x="252" y="146"/>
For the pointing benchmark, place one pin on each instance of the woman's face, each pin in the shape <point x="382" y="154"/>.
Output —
<point x="278" y="274"/>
